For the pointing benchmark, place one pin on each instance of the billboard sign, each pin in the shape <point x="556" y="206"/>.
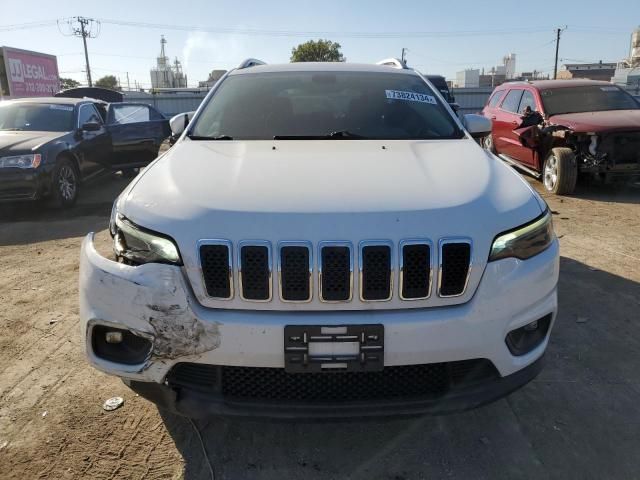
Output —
<point x="30" y="74"/>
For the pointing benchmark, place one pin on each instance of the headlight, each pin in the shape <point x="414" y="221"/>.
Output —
<point x="31" y="160"/>
<point x="525" y="241"/>
<point x="137" y="245"/>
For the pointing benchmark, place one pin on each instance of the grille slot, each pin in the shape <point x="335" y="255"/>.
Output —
<point x="216" y="270"/>
<point x="274" y="384"/>
<point x="375" y="280"/>
<point x="295" y="278"/>
<point x="336" y="273"/>
<point x="416" y="271"/>
<point x="455" y="263"/>
<point x="255" y="272"/>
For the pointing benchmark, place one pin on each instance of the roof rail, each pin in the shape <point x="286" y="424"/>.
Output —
<point x="250" y="62"/>
<point x="393" y="63"/>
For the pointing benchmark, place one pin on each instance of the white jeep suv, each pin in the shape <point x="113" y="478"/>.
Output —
<point x="323" y="240"/>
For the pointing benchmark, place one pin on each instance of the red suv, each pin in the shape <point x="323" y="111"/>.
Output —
<point x="557" y="129"/>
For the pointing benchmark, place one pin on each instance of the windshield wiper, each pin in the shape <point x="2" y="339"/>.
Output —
<point x="14" y="129"/>
<point x="205" y="137"/>
<point x="337" y="135"/>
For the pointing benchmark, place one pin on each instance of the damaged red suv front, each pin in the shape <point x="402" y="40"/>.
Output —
<point x="557" y="129"/>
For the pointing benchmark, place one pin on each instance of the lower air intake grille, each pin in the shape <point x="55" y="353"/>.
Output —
<point x="216" y="270"/>
<point x="255" y="271"/>
<point x="416" y="271"/>
<point x="455" y="268"/>
<point x="376" y="272"/>
<point x="274" y="384"/>
<point x="336" y="273"/>
<point x="295" y="281"/>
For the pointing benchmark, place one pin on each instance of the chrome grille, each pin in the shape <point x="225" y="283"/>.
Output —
<point x="415" y="269"/>
<point x="336" y="272"/>
<point x="255" y="271"/>
<point x="455" y="266"/>
<point x="420" y="268"/>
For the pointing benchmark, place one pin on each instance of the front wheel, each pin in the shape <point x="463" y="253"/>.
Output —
<point x="487" y="143"/>
<point x="560" y="171"/>
<point x="65" y="183"/>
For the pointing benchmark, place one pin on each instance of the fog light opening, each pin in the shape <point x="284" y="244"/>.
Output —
<point x="524" y="339"/>
<point x="119" y="345"/>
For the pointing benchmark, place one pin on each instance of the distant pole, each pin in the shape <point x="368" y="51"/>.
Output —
<point x="128" y="85"/>
<point x="403" y="55"/>
<point x="84" y="33"/>
<point x="83" y="27"/>
<point x="555" y="65"/>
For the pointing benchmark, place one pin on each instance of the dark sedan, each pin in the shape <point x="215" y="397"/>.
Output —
<point x="50" y="146"/>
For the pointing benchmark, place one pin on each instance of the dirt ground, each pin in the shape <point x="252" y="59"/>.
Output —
<point x="578" y="419"/>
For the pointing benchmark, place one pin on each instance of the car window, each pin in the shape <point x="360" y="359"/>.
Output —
<point x="124" y="114"/>
<point x="495" y="98"/>
<point x="528" y="100"/>
<point x="312" y="105"/>
<point x="512" y="100"/>
<point x="591" y="98"/>
<point x="88" y="113"/>
<point x="36" y="117"/>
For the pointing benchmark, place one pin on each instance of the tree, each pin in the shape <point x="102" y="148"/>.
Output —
<point x="320" y="51"/>
<point x="108" y="81"/>
<point x="66" y="83"/>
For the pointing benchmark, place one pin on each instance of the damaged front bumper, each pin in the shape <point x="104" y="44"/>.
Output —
<point x="155" y="302"/>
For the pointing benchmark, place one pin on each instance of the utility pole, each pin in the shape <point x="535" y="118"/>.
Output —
<point x="555" y="65"/>
<point x="403" y="55"/>
<point x="83" y="23"/>
<point x="84" y="28"/>
<point x="128" y="85"/>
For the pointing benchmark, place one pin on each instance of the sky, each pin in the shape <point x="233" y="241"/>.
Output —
<point x="440" y="37"/>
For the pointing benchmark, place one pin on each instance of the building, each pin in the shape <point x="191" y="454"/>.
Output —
<point x="592" y="71"/>
<point x="469" y="78"/>
<point x="214" y="76"/>
<point x="628" y="70"/>
<point x="167" y="75"/>
<point x="509" y="62"/>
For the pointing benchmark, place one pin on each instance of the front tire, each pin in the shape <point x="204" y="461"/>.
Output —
<point x="560" y="171"/>
<point x="65" y="183"/>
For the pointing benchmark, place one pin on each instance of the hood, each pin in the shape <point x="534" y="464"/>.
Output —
<point x="23" y="141"/>
<point x="341" y="190"/>
<point x="607" y="121"/>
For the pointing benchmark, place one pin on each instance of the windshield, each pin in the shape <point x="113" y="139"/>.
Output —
<point x="33" y="116"/>
<point x="592" y="98"/>
<point x="306" y="105"/>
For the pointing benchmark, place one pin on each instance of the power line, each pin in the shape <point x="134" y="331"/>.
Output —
<point x="296" y="33"/>
<point x="28" y="25"/>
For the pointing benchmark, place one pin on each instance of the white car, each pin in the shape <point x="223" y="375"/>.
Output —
<point x="323" y="240"/>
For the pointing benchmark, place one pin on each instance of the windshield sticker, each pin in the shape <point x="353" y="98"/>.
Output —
<point x="410" y="96"/>
<point x="609" y="89"/>
<point x="66" y="108"/>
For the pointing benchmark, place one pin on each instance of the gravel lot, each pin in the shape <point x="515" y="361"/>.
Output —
<point x="578" y="419"/>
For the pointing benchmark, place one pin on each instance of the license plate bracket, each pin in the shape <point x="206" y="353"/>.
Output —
<point x="298" y="338"/>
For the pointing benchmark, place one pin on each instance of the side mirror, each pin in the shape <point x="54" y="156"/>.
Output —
<point x="91" y="127"/>
<point x="454" y="106"/>
<point x="179" y="123"/>
<point x="477" y="125"/>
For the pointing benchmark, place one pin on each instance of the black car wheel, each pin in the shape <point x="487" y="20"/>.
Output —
<point x="487" y="142"/>
<point x="65" y="183"/>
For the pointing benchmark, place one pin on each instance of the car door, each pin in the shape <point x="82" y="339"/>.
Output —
<point x="93" y="146"/>
<point x="137" y="130"/>
<point x="507" y="119"/>
<point x="522" y="151"/>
